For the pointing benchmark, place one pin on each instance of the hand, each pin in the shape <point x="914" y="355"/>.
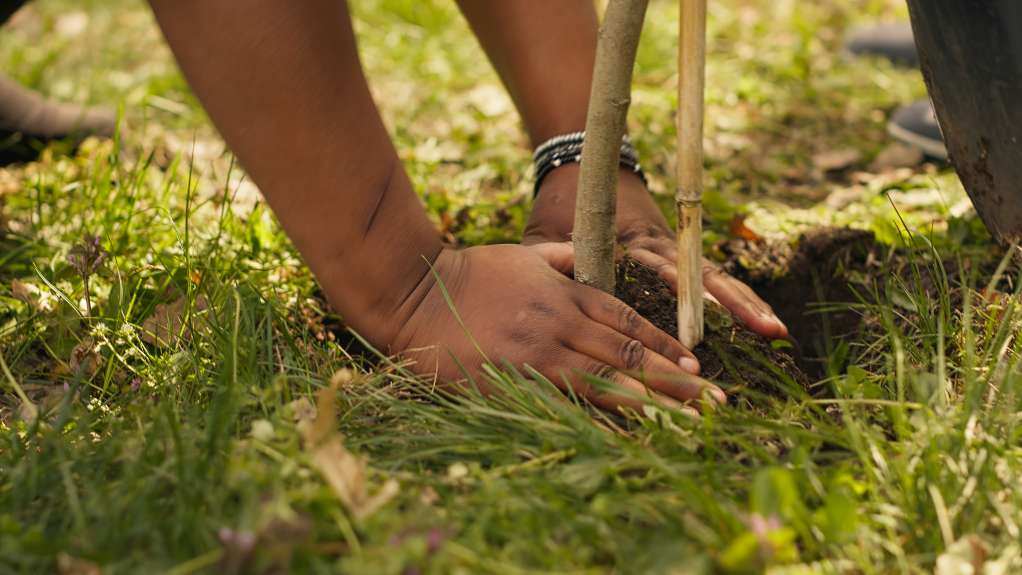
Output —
<point x="645" y="234"/>
<point x="520" y="307"/>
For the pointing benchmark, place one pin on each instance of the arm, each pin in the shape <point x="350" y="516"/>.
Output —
<point x="544" y="52"/>
<point x="282" y="82"/>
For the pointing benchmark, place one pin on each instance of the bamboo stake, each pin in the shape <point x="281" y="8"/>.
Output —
<point x="594" y="231"/>
<point x="689" y="196"/>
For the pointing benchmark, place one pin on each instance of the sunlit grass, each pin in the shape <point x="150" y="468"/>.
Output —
<point x="169" y="429"/>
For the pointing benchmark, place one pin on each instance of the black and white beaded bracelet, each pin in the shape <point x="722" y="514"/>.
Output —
<point x="567" y="149"/>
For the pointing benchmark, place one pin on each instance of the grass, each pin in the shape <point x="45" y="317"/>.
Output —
<point x="176" y="426"/>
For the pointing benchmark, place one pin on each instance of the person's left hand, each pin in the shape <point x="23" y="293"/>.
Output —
<point x="645" y="234"/>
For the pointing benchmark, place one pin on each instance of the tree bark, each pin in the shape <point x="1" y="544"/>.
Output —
<point x="971" y="56"/>
<point x="595" y="205"/>
<point x="689" y="195"/>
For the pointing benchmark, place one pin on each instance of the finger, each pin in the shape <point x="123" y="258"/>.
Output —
<point x="741" y="301"/>
<point x="734" y="295"/>
<point x="611" y="390"/>
<point x="664" y="264"/>
<point x="655" y="371"/>
<point x="612" y="313"/>
<point x="559" y="255"/>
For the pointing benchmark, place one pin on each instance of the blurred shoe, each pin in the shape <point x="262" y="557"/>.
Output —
<point x="28" y="122"/>
<point x="916" y="125"/>
<point x="891" y="41"/>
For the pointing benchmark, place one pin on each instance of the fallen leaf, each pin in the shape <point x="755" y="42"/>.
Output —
<point x="68" y="565"/>
<point x="738" y="229"/>
<point x="896" y="155"/>
<point x="843" y="197"/>
<point x="23" y="292"/>
<point x="165" y="327"/>
<point x="301" y="409"/>
<point x="963" y="557"/>
<point x="344" y="471"/>
<point x="342" y="377"/>
<point x="84" y="359"/>
<point x="836" y="160"/>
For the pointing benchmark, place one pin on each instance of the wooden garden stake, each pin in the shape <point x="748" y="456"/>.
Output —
<point x="689" y="196"/>
<point x="596" y="202"/>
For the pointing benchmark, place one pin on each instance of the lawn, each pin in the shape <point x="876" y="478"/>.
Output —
<point x="176" y="397"/>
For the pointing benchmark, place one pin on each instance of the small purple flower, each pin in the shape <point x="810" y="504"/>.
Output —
<point x="87" y="257"/>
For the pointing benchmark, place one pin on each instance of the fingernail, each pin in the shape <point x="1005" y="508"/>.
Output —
<point x="718" y="394"/>
<point x="691" y="412"/>
<point x="689" y="364"/>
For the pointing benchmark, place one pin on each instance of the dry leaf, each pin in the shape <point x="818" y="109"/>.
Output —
<point x="896" y="155"/>
<point x="68" y="565"/>
<point x="346" y="475"/>
<point x="836" y="160"/>
<point x="963" y="557"/>
<point x="28" y="412"/>
<point x="738" y="229"/>
<point x="84" y="359"/>
<point x="301" y="410"/>
<point x="344" y="471"/>
<point x="342" y="377"/>
<point x="429" y="496"/>
<point x="23" y="292"/>
<point x="166" y="326"/>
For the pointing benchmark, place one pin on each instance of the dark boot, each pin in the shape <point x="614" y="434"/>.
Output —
<point x="916" y="123"/>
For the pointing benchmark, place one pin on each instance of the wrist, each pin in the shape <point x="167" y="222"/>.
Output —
<point x="402" y="324"/>
<point x="567" y="149"/>
<point x="370" y="271"/>
<point x="563" y="183"/>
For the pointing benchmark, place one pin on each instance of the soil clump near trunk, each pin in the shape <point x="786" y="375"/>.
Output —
<point x="730" y="355"/>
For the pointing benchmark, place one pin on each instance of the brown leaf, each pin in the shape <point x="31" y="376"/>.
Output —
<point x="836" y="160"/>
<point x="344" y="471"/>
<point x="68" y="565"/>
<point x="84" y="359"/>
<point x="738" y="229"/>
<point x="23" y="292"/>
<point x="896" y="155"/>
<point x="165" y="327"/>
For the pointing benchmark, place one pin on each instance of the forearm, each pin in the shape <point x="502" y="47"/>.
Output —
<point x="544" y="52"/>
<point x="283" y="84"/>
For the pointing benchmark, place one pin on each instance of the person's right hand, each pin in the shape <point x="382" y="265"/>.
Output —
<point x="520" y="307"/>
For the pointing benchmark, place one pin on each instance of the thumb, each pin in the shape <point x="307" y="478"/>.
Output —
<point x="559" y="255"/>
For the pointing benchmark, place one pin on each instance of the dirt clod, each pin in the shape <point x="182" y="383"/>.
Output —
<point x="730" y="354"/>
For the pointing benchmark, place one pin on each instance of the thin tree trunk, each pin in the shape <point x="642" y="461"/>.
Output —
<point x="596" y="202"/>
<point x="689" y="196"/>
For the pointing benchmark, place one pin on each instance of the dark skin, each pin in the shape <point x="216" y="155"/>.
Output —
<point x="546" y="63"/>
<point x="283" y="84"/>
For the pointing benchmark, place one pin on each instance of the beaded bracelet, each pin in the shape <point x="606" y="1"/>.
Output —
<point x="567" y="149"/>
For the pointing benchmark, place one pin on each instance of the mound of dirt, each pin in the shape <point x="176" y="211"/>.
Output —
<point x="730" y="355"/>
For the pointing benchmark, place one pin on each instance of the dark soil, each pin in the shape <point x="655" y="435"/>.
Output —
<point x="811" y="282"/>
<point x="730" y="355"/>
